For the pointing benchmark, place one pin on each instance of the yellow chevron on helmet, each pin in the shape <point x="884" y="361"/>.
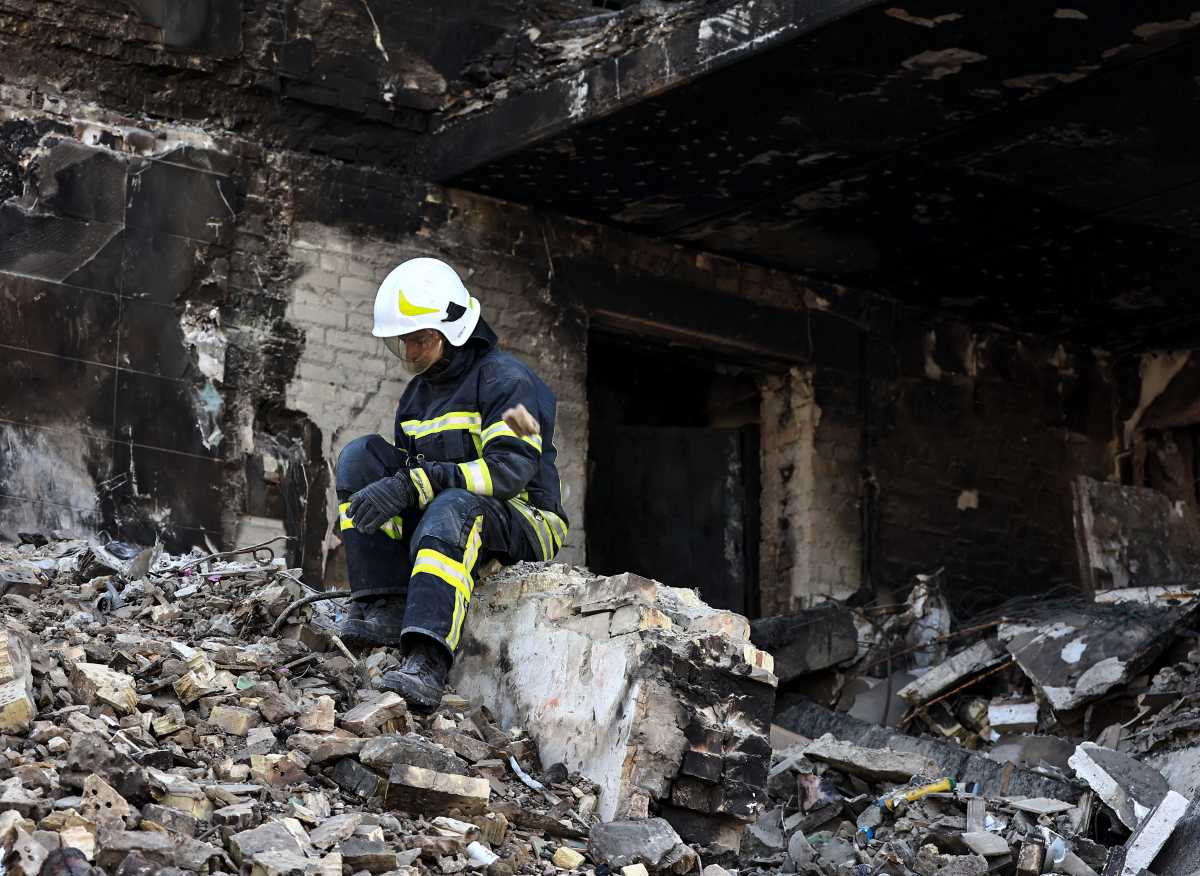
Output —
<point x="425" y="293"/>
<point x="407" y="308"/>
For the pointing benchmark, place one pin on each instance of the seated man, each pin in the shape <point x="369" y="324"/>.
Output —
<point x="460" y="486"/>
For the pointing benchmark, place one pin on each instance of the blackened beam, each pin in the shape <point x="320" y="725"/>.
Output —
<point x="697" y="47"/>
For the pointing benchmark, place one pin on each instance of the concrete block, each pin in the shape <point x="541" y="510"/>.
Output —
<point x="651" y="842"/>
<point x="99" y="684"/>
<point x="376" y="716"/>
<point x="1130" y="788"/>
<point x="1143" y="847"/>
<point x="807" y="641"/>
<point x="17" y="707"/>
<point x="995" y="778"/>
<point x="566" y="858"/>
<point x="418" y="790"/>
<point x="234" y="720"/>
<point x="971" y="661"/>
<point x="1005" y="717"/>
<point x="874" y="765"/>
<point x="614" y="707"/>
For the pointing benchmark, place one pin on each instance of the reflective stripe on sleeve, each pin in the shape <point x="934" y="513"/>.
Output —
<point x="502" y="430"/>
<point x="478" y="477"/>
<point x="393" y="528"/>
<point x="420" y="480"/>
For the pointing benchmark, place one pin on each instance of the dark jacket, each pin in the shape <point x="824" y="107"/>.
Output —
<point x="449" y="425"/>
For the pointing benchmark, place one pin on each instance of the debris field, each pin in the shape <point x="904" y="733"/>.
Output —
<point x="167" y="714"/>
<point x="1044" y="736"/>
<point x="194" y="714"/>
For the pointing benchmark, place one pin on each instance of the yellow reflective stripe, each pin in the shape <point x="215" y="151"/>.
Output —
<point x="470" y="420"/>
<point x="539" y="527"/>
<point x="441" y="566"/>
<point x="393" y="528"/>
<point x="478" y="477"/>
<point x="456" y="621"/>
<point x="474" y="542"/>
<point x="557" y="528"/>
<point x="502" y="430"/>
<point x="470" y="556"/>
<point x="497" y="430"/>
<point x="424" y="487"/>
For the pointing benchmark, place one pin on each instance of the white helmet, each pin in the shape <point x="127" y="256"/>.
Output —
<point x="425" y="293"/>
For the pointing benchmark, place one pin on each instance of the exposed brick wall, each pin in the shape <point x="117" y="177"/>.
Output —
<point x="810" y="547"/>
<point x="348" y="383"/>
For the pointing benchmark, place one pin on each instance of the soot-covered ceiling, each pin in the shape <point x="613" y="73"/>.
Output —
<point x="1033" y="165"/>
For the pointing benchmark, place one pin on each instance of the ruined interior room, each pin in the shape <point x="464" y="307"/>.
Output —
<point x="871" y="337"/>
<point x="674" y="444"/>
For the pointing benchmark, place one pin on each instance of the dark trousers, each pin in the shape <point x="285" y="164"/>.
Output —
<point x="426" y="557"/>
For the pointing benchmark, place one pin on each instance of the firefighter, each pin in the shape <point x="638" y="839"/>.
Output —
<point x="420" y="518"/>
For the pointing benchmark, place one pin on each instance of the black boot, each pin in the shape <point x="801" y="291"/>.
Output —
<point x="377" y="621"/>
<point x="421" y="675"/>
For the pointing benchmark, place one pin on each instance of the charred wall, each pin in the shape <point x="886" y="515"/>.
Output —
<point x="155" y="161"/>
<point x="969" y="440"/>
<point x="194" y="211"/>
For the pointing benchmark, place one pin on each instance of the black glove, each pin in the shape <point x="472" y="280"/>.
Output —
<point x="376" y="503"/>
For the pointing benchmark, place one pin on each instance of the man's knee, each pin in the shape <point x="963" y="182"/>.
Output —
<point x="453" y="499"/>
<point x="363" y="461"/>
<point x="447" y="518"/>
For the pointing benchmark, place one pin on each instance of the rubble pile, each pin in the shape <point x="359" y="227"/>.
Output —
<point x="1056" y="736"/>
<point x="168" y="714"/>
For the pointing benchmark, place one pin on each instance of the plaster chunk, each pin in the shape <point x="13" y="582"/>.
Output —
<point x="604" y="699"/>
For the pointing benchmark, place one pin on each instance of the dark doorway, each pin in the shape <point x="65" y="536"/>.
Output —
<point x="673" y="469"/>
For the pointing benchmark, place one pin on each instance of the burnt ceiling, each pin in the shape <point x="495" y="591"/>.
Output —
<point x="1033" y="166"/>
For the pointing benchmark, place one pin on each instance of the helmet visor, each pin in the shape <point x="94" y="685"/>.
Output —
<point x="418" y="351"/>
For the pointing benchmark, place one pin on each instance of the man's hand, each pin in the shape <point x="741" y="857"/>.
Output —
<point x="521" y="421"/>
<point x="376" y="503"/>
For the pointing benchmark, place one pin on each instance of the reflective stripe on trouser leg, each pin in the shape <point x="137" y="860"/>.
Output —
<point x="378" y="564"/>
<point x="445" y="585"/>
<point x="548" y="528"/>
